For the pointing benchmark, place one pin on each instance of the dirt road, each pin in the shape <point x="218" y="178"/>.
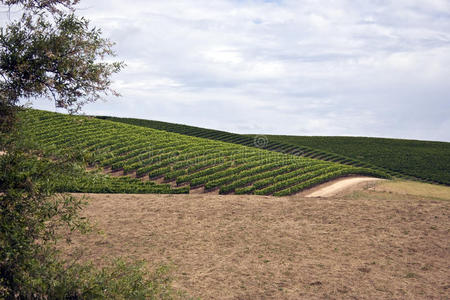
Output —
<point x="335" y="187"/>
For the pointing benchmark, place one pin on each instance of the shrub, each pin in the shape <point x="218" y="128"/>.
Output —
<point x="31" y="217"/>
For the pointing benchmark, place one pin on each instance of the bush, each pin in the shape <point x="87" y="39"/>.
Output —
<point x="31" y="216"/>
<point x="120" y="280"/>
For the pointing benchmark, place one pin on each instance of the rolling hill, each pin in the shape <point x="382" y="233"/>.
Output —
<point x="429" y="161"/>
<point x="408" y="159"/>
<point x="185" y="161"/>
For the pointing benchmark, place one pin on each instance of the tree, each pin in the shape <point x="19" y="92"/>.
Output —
<point x="50" y="52"/>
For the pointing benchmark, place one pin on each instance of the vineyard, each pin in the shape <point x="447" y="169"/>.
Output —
<point x="181" y="162"/>
<point x="417" y="160"/>
<point x="429" y="161"/>
<point x="101" y="183"/>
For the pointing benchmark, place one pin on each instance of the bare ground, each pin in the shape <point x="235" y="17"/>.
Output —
<point x="369" y="244"/>
<point x="338" y="186"/>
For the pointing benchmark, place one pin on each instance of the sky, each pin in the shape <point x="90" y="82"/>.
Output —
<point x="375" y="68"/>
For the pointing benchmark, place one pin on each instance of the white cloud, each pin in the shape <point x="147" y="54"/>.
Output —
<point x="375" y="68"/>
<point x="223" y="55"/>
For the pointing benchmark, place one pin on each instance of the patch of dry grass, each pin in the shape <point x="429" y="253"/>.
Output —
<point x="415" y="188"/>
<point x="367" y="245"/>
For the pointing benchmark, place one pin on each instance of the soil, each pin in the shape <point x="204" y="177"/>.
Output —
<point x="368" y="244"/>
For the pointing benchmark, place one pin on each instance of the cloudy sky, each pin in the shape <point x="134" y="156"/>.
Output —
<point x="300" y="67"/>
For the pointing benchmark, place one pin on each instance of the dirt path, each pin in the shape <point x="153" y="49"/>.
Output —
<point x="338" y="186"/>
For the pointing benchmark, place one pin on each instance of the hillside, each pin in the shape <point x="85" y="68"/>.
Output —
<point x="419" y="160"/>
<point x="185" y="161"/>
<point x="423" y="159"/>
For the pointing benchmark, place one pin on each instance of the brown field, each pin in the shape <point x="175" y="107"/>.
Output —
<point x="382" y="241"/>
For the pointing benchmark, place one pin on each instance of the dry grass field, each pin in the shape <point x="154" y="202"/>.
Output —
<point x="388" y="240"/>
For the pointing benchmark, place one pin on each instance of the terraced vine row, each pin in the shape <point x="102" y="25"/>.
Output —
<point x="187" y="161"/>
<point x="272" y="145"/>
<point x="101" y="183"/>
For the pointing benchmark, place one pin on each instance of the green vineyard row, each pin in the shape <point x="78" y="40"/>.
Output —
<point x="377" y="161"/>
<point x="185" y="160"/>
<point x="427" y="160"/>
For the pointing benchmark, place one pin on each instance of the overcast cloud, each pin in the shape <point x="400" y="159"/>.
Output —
<point x="366" y="68"/>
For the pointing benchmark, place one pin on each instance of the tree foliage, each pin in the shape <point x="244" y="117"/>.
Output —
<point x="52" y="53"/>
<point x="28" y="224"/>
<point x="53" y="6"/>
